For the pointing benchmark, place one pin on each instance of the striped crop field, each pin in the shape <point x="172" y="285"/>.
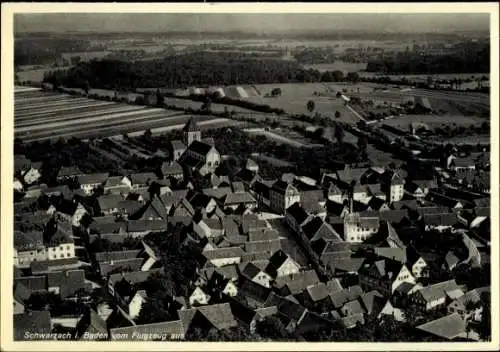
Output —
<point x="40" y="116"/>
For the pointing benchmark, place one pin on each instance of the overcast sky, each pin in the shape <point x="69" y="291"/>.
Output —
<point x="258" y="23"/>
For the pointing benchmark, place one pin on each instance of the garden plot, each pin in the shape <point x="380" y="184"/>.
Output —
<point x="111" y="128"/>
<point x="272" y="160"/>
<point x="23" y="89"/>
<point x="85" y="118"/>
<point x="94" y="119"/>
<point x="32" y="96"/>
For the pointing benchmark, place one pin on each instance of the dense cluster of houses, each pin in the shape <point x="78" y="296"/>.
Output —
<point x="316" y="254"/>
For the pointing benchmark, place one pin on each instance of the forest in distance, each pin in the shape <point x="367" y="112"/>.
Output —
<point x="209" y="69"/>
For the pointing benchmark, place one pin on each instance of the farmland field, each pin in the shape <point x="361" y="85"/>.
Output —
<point x="86" y="56"/>
<point x="42" y="116"/>
<point x="338" y="65"/>
<point x="276" y="137"/>
<point x="423" y="78"/>
<point x="451" y="103"/>
<point x="482" y="139"/>
<point x="433" y="120"/>
<point x="32" y="75"/>
<point x="294" y="98"/>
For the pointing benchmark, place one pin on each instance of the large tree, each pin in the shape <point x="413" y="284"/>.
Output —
<point x="339" y="133"/>
<point x="310" y="106"/>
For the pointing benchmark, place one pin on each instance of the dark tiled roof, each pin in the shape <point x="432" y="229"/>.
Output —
<point x="21" y="163"/>
<point x="448" y="219"/>
<point x="69" y="171"/>
<point x="220" y="253"/>
<point x="32" y="322"/>
<point x="163" y="329"/>
<point x="69" y="282"/>
<point x="296" y="283"/>
<point x="32" y="283"/>
<point x="58" y="190"/>
<point x="261" y="246"/>
<point x="129" y="207"/>
<point x="297" y="213"/>
<point x="217" y="193"/>
<point x="219" y="315"/>
<point x="114" y="181"/>
<point x="311" y="227"/>
<point x="238" y="186"/>
<point x="405" y="204"/>
<point x="238" y="198"/>
<point x="116" y="255"/>
<point x="318" y="291"/>
<point x="351" y="174"/>
<point x="91" y="179"/>
<point x="448" y="327"/>
<point x="263" y="235"/>
<point x="347" y="265"/>
<point x="173" y="168"/>
<point x="354" y="307"/>
<point x="250" y="257"/>
<point x="52" y="264"/>
<point x="376" y="203"/>
<point x="442" y="199"/>
<point x="276" y="261"/>
<point x="482" y="211"/>
<point x="432" y="210"/>
<point x="200" y="147"/>
<point x="482" y="202"/>
<point x="59" y="237"/>
<point x="335" y="208"/>
<point x="250" y="270"/>
<point x="436" y="291"/>
<point x="154" y="209"/>
<point x="177" y="145"/>
<point x="107" y="202"/>
<point x="281" y="187"/>
<point x="133" y="277"/>
<point x="243" y="313"/>
<point x="106" y="224"/>
<point x="143" y="178"/>
<point x="182" y="208"/>
<point x="146" y="225"/>
<point x="346" y="295"/>
<point x="28" y="241"/>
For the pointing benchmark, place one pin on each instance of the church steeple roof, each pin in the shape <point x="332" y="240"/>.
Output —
<point x="191" y="126"/>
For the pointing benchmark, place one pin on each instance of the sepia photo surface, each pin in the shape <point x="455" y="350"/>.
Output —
<point x="281" y="175"/>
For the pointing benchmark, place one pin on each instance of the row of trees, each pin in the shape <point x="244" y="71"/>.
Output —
<point x="331" y="156"/>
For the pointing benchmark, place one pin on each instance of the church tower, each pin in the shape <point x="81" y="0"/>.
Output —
<point x="191" y="132"/>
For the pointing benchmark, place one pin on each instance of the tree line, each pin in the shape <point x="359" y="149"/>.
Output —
<point x="414" y="63"/>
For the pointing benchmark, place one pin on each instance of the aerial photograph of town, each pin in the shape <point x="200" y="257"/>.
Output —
<point x="252" y="177"/>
